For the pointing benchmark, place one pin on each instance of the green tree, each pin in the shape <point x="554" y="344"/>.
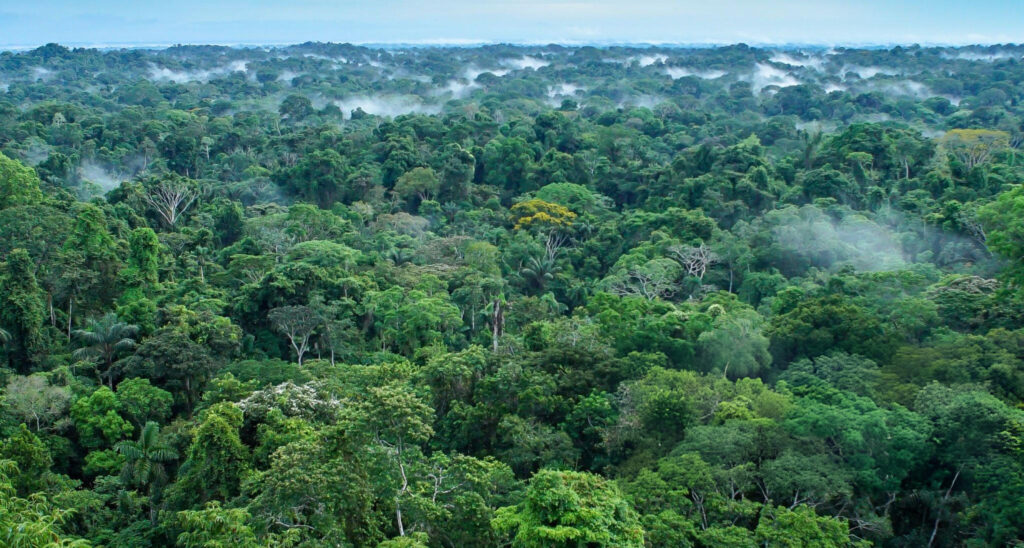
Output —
<point x="216" y="527"/>
<point x="329" y="467"/>
<point x="19" y="184"/>
<point x="1003" y="219"/>
<point x="800" y="527"/>
<point x="103" y="340"/>
<point x="570" y="509"/>
<point x="735" y="344"/>
<point x="32" y="458"/>
<point x="398" y="421"/>
<point x="21" y="310"/>
<point x="32" y="521"/>
<point x="216" y="461"/>
<point x="142" y="402"/>
<point x="97" y="419"/>
<point x="973" y="147"/>
<point x="420" y="182"/>
<point x="143" y="259"/>
<point x="144" y="464"/>
<point x="826" y="324"/>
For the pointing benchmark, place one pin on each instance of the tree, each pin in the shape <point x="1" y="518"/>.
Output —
<point x="297" y="323"/>
<point x="144" y="464"/>
<point x="97" y="419"/>
<point x="398" y="421"/>
<point x="21" y="309"/>
<point x="735" y="344"/>
<point x="973" y="147"/>
<point x="695" y="259"/>
<point x="104" y="340"/>
<point x="318" y="177"/>
<point x="296" y="108"/>
<point x="143" y="259"/>
<point x="568" y="509"/>
<point x="840" y="370"/>
<point x="171" y="197"/>
<point x="217" y="459"/>
<point x="32" y="521"/>
<point x="420" y="182"/>
<point x="34" y="400"/>
<point x="825" y="324"/>
<point x="331" y="469"/>
<point x="216" y="527"/>
<point x="507" y="163"/>
<point x="552" y="221"/>
<point x="1003" y="220"/>
<point x="19" y="184"/>
<point x="178" y="364"/>
<point x="654" y="279"/>
<point x="142" y="402"/>
<point x="27" y="451"/>
<point x="802" y="528"/>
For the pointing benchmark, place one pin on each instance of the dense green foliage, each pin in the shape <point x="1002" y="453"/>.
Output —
<point x="327" y="295"/>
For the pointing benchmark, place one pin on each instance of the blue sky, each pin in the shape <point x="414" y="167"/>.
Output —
<point x="115" y="22"/>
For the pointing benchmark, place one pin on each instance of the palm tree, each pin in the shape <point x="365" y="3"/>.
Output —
<point x="103" y="340"/>
<point x="538" y="271"/>
<point x="5" y="337"/>
<point x="144" y="463"/>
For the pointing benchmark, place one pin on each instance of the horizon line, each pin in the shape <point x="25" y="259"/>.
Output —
<point x="470" y="43"/>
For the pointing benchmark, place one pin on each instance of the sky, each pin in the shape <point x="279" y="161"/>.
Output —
<point x="29" y="23"/>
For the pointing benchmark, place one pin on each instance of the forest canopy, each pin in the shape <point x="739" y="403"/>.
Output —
<point x="334" y="295"/>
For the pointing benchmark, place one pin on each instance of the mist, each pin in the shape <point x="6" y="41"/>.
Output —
<point x="36" y="152"/>
<point x="866" y="72"/>
<point x="96" y="173"/>
<point x="564" y="89"/>
<point x="289" y="75"/>
<point x="527" y="62"/>
<point x="809" y="61"/>
<point x="765" y="75"/>
<point x="643" y="101"/>
<point x="681" y="72"/>
<point x="204" y="75"/>
<point x="648" y="60"/>
<point x="810" y="233"/>
<point x="466" y="83"/>
<point x="908" y="88"/>
<point x="390" y="106"/>
<point x="984" y="57"/>
<point x="41" y="74"/>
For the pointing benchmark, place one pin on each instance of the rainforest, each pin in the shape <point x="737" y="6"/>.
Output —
<point x="512" y="295"/>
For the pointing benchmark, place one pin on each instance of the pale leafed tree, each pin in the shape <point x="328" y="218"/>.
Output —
<point x="695" y="259"/>
<point x="974" y="147"/>
<point x="171" y="198"/>
<point x="297" y="323"/>
<point x="35" y="401"/>
<point x="654" y="279"/>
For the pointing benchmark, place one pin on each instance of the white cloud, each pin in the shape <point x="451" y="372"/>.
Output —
<point x="765" y="75"/>
<point x="680" y="72"/>
<point x="564" y="90"/>
<point x="526" y="62"/>
<point x="648" y="60"/>
<point x="387" y="105"/>
<point x="202" y="75"/>
<point x="798" y="60"/>
<point x="867" y="72"/>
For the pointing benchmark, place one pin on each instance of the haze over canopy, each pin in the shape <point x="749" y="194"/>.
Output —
<point x="126" y="22"/>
